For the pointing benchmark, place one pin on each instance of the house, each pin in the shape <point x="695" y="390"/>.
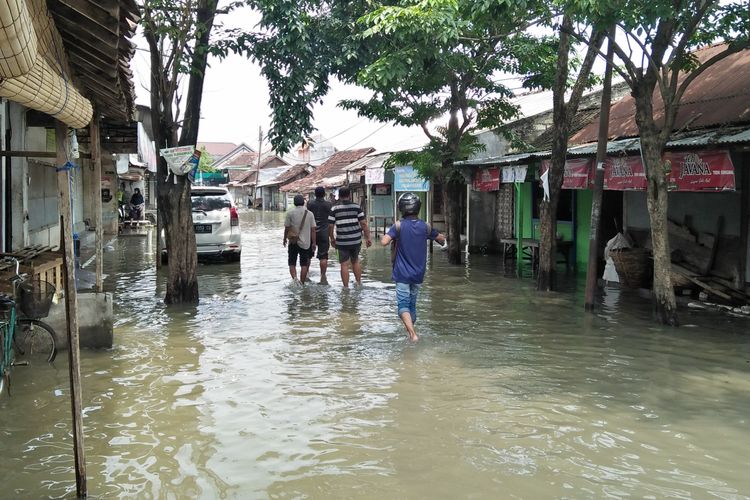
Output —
<point x="229" y="158"/>
<point x="708" y="153"/>
<point x="217" y="150"/>
<point x="242" y="172"/>
<point x="313" y="150"/>
<point x="331" y="174"/>
<point x="273" y="198"/>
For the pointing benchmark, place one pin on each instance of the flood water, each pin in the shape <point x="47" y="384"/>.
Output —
<point x="270" y="390"/>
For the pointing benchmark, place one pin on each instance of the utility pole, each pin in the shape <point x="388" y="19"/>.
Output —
<point x="601" y="154"/>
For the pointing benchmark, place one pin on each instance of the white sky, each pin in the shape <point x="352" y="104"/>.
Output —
<point x="235" y="104"/>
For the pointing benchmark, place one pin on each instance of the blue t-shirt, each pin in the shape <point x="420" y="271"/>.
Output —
<point x="411" y="252"/>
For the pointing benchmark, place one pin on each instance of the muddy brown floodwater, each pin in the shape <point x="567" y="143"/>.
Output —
<point x="266" y="389"/>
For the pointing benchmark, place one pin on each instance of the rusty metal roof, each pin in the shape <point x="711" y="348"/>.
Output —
<point x="720" y="96"/>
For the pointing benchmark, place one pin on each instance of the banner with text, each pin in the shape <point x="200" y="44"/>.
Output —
<point x="514" y="174"/>
<point x="486" y="179"/>
<point x="375" y="175"/>
<point x="701" y="171"/>
<point x="624" y="173"/>
<point x="577" y="172"/>
<point x="407" y="179"/>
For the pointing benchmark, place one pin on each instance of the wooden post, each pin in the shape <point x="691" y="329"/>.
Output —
<point x="71" y="304"/>
<point x="468" y="218"/>
<point x="601" y="154"/>
<point x="519" y="228"/>
<point x="96" y="162"/>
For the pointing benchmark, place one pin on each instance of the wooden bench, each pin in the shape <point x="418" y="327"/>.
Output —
<point x="530" y="249"/>
<point x="38" y="263"/>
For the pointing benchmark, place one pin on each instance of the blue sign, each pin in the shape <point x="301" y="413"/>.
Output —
<point x="407" y="179"/>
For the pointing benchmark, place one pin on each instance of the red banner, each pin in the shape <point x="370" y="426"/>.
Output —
<point x="578" y="173"/>
<point x="624" y="173"/>
<point x="701" y="171"/>
<point x="486" y="179"/>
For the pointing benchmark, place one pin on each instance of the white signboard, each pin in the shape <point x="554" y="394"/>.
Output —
<point x="375" y="176"/>
<point x="514" y="174"/>
<point x="177" y="158"/>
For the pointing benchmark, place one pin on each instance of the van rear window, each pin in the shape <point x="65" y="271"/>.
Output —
<point x="207" y="202"/>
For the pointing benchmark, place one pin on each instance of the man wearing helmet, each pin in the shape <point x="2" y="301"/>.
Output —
<point x="410" y="235"/>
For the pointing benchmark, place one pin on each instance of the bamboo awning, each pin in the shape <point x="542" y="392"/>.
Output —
<point x="63" y="59"/>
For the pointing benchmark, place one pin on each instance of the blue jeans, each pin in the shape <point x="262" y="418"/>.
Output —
<point x="406" y="298"/>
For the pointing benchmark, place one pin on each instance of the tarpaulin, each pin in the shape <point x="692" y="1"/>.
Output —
<point x="577" y="173"/>
<point x="486" y="179"/>
<point x="624" y="173"/>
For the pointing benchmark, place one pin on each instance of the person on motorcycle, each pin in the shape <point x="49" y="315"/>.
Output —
<point x="136" y="205"/>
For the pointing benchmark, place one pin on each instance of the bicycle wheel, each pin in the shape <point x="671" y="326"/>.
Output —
<point x="35" y="339"/>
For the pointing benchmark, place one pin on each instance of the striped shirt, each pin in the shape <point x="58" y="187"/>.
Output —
<point x="347" y="216"/>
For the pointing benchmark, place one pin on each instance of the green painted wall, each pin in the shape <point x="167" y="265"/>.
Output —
<point x="583" y="226"/>
<point x="564" y="229"/>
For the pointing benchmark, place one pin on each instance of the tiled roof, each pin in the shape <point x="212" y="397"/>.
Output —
<point x="237" y="175"/>
<point x="292" y="173"/>
<point x="217" y="149"/>
<point x="330" y="172"/>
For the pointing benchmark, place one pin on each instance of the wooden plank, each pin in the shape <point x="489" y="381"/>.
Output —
<point x="714" y="247"/>
<point x="96" y="161"/>
<point x="71" y="306"/>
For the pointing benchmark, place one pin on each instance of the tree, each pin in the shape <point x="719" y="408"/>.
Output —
<point x="665" y="33"/>
<point x="563" y="113"/>
<point x="424" y="61"/>
<point x="206" y="163"/>
<point x="178" y="35"/>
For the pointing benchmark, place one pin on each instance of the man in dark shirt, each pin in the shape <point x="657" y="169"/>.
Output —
<point x="349" y="222"/>
<point x="410" y="234"/>
<point x="322" y="210"/>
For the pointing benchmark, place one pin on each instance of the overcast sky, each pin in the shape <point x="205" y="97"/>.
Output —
<point x="235" y="104"/>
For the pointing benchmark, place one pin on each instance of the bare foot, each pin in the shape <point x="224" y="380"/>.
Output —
<point x="413" y="338"/>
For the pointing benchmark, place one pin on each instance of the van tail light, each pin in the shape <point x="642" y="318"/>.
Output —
<point x="234" y="217"/>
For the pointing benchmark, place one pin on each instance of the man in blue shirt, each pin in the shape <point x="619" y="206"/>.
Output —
<point x="409" y="236"/>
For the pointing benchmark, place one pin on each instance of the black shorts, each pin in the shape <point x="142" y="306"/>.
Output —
<point x="348" y="253"/>
<point x="323" y="244"/>
<point x="305" y="254"/>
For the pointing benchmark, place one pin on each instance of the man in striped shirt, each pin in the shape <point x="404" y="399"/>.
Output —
<point x="348" y="221"/>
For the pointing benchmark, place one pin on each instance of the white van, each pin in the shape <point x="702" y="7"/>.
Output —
<point x="216" y="223"/>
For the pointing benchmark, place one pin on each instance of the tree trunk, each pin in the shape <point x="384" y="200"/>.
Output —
<point x="665" y="303"/>
<point x="452" y="190"/>
<point x="546" y="277"/>
<point x="176" y="209"/>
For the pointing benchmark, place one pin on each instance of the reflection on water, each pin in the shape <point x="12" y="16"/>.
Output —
<point x="271" y="389"/>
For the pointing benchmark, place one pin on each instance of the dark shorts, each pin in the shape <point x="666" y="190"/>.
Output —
<point x="348" y="253"/>
<point x="323" y="244"/>
<point x="305" y="254"/>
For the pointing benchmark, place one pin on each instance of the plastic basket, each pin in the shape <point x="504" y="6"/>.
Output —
<point x="35" y="298"/>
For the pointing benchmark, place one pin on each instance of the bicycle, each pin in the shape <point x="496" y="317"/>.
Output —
<point x="26" y="335"/>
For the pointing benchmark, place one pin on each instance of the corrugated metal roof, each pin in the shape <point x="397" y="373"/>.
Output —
<point x="719" y="137"/>
<point x="370" y="161"/>
<point x="719" y="96"/>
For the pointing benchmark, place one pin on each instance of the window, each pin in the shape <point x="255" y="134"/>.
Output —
<point x="564" y="205"/>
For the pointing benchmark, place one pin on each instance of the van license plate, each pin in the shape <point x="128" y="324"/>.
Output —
<point x="202" y="228"/>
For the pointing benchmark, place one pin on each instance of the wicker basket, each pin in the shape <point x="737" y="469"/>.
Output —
<point x="634" y="266"/>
